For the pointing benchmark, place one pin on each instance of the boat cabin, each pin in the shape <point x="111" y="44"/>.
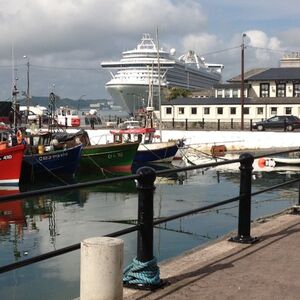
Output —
<point x="68" y="117"/>
<point x="142" y="135"/>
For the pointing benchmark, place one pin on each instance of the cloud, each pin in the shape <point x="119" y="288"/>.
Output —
<point x="84" y="32"/>
<point x="80" y="34"/>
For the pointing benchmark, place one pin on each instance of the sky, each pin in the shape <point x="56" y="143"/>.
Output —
<point x="66" y="40"/>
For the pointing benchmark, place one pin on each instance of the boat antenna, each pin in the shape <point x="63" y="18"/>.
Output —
<point x="159" y="92"/>
<point x="14" y="87"/>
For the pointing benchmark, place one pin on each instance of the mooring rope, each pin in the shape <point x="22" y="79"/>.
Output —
<point x="103" y="170"/>
<point x="143" y="273"/>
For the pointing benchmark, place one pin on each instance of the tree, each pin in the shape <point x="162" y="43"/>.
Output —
<point x="174" y="93"/>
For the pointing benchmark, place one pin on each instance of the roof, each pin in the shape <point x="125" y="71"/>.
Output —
<point x="247" y="74"/>
<point x="277" y="74"/>
<point x="140" y="130"/>
<point x="233" y="85"/>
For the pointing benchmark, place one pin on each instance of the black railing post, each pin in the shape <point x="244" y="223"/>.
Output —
<point x="231" y="123"/>
<point x="186" y="124"/>
<point x="250" y="124"/>
<point x="218" y="124"/>
<point x="202" y="122"/>
<point x="244" y="222"/>
<point x="143" y="273"/>
<point x="145" y="213"/>
<point x="173" y="122"/>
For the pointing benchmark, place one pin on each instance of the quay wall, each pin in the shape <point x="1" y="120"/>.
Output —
<point x="233" y="140"/>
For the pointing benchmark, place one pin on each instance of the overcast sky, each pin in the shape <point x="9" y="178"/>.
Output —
<point x="65" y="40"/>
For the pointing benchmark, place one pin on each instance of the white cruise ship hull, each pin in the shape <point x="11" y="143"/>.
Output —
<point x="130" y="97"/>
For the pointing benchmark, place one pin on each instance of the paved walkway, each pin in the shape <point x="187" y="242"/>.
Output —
<point x="269" y="269"/>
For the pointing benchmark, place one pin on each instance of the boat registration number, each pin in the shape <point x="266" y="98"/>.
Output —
<point x="53" y="156"/>
<point x="6" y="157"/>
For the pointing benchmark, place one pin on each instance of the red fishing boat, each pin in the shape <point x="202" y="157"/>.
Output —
<point x="11" y="156"/>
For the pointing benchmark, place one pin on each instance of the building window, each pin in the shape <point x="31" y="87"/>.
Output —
<point x="280" y="90"/>
<point x="181" y="110"/>
<point x="206" y="110"/>
<point x="168" y="110"/>
<point x="220" y="110"/>
<point x="273" y="110"/>
<point x="288" y="110"/>
<point x="235" y="93"/>
<point x="219" y="93"/>
<point x="194" y="110"/>
<point x="260" y="110"/>
<point x="264" y="90"/>
<point x="246" y="110"/>
<point x="233" y="110"/>
<point x="296" y="89"/>
<point x="227" y="93"/>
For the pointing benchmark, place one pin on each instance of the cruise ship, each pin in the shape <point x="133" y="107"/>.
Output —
<point x="146" y="68"/>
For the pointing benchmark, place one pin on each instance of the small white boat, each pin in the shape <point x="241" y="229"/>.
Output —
<point x="275" y="161"/>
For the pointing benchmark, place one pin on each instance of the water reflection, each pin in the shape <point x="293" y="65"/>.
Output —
<point x="37" y="225"/>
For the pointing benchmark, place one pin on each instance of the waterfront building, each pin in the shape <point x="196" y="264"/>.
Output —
<point x="267" y="92"/>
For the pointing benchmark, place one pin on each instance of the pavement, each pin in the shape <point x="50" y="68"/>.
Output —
<point x="267" y="269"/>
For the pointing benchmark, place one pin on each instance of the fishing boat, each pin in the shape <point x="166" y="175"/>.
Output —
<point x="41" y="162"/>
<point x="149" y="149"/>
<point x="109" y="158"/>
<point x="68" y="117"/>
<point x="11" y="155"/>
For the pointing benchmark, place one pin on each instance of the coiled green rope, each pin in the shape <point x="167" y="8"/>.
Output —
<point x="142" y="273"/>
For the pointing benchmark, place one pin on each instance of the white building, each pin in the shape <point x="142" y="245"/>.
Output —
<point x="267" y="92"/>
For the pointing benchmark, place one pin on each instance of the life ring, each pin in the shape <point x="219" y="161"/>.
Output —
<point x="19" y="137"/>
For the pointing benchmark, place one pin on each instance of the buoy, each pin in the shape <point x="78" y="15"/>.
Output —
<point x="261" y="162"/>
<point x="218" y="150"/>
<point x="41" y="149"/>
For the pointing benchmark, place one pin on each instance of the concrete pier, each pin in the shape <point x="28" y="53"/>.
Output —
<point x="268" y="269"/>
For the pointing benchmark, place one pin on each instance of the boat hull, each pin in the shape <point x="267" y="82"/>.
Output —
<point x="61" y="163"/>
<point x="10" y="165"/>
<point x="156" y="152"/>
<point x="115" y="158"/>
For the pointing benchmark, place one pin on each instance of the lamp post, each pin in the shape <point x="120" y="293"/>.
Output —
<point x="78" y="104"/>
<point x="242" y="81"/>
<point x="28" y="90"/>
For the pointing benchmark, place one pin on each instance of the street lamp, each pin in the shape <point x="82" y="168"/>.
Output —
<point x="242" y="80"/>
<point x="28" y="90"/>
<point x="79" y="101"/>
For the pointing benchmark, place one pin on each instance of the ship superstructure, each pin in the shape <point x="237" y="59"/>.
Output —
<point x="140" y="68"/>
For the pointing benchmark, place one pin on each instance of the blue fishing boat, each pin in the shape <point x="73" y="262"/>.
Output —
<point x="46" y="163"/>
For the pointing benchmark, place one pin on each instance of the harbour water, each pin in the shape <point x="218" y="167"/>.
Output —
<point x="54" y="221"/>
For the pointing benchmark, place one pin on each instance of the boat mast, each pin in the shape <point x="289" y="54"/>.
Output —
<point x="14" y="88"/>
<point x="159" y="84"/>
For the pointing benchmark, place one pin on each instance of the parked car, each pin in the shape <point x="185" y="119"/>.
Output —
<point x="280" y="122"/>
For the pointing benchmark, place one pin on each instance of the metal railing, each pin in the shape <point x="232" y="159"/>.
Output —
<point x="145" y="177"/>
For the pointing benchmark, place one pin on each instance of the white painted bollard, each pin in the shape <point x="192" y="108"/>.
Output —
<point x="101" y="269"/>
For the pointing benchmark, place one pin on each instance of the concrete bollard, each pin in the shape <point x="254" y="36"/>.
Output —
<point x="101" y="269"/>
